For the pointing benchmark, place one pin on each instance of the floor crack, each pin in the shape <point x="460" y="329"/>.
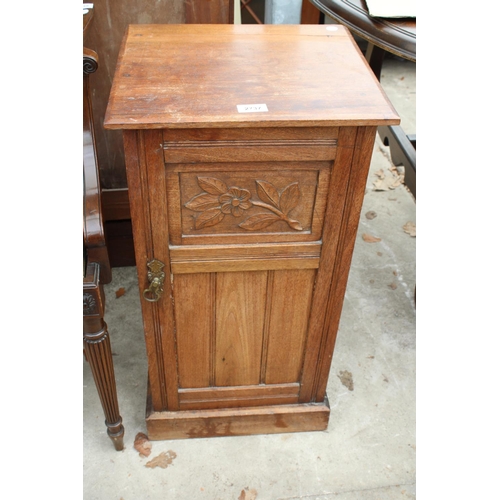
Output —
<point x="316" y="495"/>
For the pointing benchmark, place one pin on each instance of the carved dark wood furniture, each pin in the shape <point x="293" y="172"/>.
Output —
<point x="247" y="151"/>
<point x="397" y="36"/>
<point x="96" y="268"/>
<point x="105" y="34"/>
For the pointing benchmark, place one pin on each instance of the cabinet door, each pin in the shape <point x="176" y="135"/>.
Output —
<point x="241" y="336"/>
<point x="244" y="246"/>
<point x="252" y="251"/>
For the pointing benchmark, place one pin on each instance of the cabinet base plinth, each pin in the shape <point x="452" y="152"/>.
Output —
<point x="237" y="421"/>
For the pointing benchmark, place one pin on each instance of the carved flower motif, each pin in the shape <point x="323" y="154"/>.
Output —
<point x="89" y="304"/>
<point x="235" y="201"/>
<point x="217" y="200"/>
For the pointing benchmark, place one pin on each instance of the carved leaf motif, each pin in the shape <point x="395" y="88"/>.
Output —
<point x="217" y="201"/>
<point x="268" y="193"/>
<point x="203" y="202"/>
<point x="259" y="221"/>
<point x="212" y="185"/>
<point x="209" y="218"/>
<point x="290" y="197"/>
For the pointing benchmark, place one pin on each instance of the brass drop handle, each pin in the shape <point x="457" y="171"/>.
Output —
<point x="156" y="277"/>
<point x="155" y="290"/>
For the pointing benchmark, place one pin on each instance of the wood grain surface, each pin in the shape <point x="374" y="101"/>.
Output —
<point x="303" y="73"/>
<point x="253" y="215"/>
<point x="239" y="323"/>
<point x="237" y="421"/>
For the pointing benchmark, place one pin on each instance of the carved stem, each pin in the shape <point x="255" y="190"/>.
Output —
<point x="270" y="207"/>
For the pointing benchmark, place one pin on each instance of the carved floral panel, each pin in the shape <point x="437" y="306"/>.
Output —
<point x="249" y="202"/>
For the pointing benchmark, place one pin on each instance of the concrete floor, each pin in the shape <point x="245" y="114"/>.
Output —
<point x="368" y="451"/>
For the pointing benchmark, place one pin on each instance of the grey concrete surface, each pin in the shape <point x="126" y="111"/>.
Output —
<point x="368" y="451"/>
<point x="282" y="11"/>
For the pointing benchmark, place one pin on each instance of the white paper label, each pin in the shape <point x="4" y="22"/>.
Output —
<point x="251" y="108"/>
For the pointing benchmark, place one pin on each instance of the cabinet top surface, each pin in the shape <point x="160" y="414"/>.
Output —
<point x="195" y="76"/>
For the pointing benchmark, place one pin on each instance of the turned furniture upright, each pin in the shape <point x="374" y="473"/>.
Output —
<point x="247" y="151"/>
<point x="96" y="266"/>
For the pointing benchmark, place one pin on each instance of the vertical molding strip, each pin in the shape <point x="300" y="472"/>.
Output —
<point x="159" y="228"/>
<point x="213" y="330"/>
<point x="267" y="320"/>
<point x="151" y="253"/>
<point x="139" y="206"/>
<point x="335" y="210"/>
<point x="306" y="337"/>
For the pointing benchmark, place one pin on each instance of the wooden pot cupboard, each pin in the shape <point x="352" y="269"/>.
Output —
<point x="247" y="150"/>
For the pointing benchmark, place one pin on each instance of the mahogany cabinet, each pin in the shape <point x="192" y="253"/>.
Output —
<point x="247" y="150"/>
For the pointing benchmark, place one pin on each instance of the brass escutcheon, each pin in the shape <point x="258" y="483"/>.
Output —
<point x="156" y="277"/>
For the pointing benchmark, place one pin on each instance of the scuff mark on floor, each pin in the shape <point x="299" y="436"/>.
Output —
<point x="346" y="379"/>
<point x="163" y="460"/>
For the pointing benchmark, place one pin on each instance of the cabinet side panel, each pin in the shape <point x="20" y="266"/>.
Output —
<point x="139" y="208"/>
<point x="193" y="296"/>
<point x="331" y="235"/>
<point x="163" y="313"/>
<point x="354" y="200"/>
<point x="289" y="315"/>
<point x="239" y="324"/>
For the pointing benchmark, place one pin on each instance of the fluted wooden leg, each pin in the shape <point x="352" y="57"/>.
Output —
<point x="97" y="349"/>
